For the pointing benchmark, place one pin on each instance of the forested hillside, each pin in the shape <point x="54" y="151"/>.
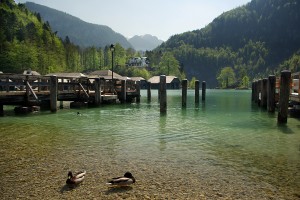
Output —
<point x="252" y="40"/>
<point x="79" y="32"/>
<point x="27" y="42"/>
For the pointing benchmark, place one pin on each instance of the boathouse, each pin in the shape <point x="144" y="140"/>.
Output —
<point x="143" y="82"/>
<point x="172" y="82"/>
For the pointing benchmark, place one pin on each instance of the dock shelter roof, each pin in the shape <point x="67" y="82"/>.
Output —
<point x="30" y="72"/>
<point x="156" y="79"/>
<point x="137" y="78"/>
<point x="106" y="74"/>
<point x="67" y="75"/>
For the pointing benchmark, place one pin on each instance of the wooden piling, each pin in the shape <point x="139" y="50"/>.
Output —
<point x="163" y="94"/>
<point x="271" y="93"/>
<point x="27" y="91"/>
<point x="285" y="80"/>
<point x="149" y="91"/>
<point x="197" y="93"/>
<point x="256" y="92"/>
<point x="264" y="93"/>
<point x="39" y="84"/>
<point x="253" y="91"/>
<point x="61" y="104"/>
<point x="123" y="91"/>
<point x="138" y="89"/>
<point x="203" y="90"/>
<point x="259" y="86"/>
<point x="184" y="92"/>
<point x="1" y="110"/>
<point x="97" y="92"/>
<point x="53" y="93"/>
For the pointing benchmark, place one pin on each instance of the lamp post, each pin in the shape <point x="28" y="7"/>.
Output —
<point x="112" y="49"/>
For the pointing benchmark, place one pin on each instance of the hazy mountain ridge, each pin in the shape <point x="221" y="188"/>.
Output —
<point x="80" y="32"/>
<point x="145" y="42"/>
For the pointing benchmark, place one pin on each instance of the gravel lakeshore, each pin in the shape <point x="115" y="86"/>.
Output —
<point x="39" y="174"/>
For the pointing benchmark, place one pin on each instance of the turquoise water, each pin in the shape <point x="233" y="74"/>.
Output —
<point x="225" y="147"/>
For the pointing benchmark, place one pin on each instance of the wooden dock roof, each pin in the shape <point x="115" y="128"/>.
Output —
<point x="156" y="79"/>
<point x="106" y="74"/>
<point x="67" y="75"/>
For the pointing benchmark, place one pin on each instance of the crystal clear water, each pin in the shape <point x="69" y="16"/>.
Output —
<point x="225" y="148"/>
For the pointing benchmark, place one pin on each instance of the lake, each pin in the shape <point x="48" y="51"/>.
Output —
<point x="223" y="148"/>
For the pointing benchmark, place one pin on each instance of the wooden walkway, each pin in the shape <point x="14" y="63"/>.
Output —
<point x="31" y="90"/>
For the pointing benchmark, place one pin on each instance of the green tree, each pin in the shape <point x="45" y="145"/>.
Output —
<point x="245" y="82"/>
<point x="168" y="65"/>
<point x="192" y="83"/>
<point x="226" y="78"/>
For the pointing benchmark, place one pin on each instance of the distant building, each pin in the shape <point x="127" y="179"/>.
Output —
<point x="138" y="62"/>
<point x="143" y="82"/>
<point x="172" y="82"/>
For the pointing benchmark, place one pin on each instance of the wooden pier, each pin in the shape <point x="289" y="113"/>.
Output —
<point x="45" y="91"/>
<point x="283" y="91"/>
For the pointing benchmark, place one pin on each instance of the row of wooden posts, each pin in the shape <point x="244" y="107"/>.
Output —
<point x="264" y="94"/>
<point x="162" y="93"/>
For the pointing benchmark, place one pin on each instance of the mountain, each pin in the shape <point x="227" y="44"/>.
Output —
<point x="253" y="39"/>
<point x="144" y="42"/>
<point x="79" y="32"/>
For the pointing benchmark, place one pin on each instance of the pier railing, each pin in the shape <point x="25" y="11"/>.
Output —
<point x="29" y="90"/>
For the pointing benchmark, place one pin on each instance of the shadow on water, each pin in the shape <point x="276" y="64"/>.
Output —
<point x="162" y="131"/>
<point x="120" y="189"/>
<point x="285" y="129"/>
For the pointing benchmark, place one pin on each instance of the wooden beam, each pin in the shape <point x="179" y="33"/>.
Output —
<point x="86" y="94"/>
<point x="31" y="90"/>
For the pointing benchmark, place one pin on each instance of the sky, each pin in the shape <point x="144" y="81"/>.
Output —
<point x="160" y="18"/>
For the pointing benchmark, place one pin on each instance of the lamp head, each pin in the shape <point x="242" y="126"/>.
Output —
<point x="112" y="47"/>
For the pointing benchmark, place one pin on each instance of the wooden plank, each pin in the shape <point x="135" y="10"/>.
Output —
<point x="86" y="94"/>
<point x="31" y="90"/>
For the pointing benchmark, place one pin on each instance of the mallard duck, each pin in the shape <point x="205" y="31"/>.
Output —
<point x="76" y="178"/>
<point x="125" y="180"/>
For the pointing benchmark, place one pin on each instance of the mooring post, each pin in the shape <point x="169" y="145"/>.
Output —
<point x="61" y="104"/>
<point x="138" y="89"/>
<point x="1" y="110"/>
<point x="7" y="86"/>
<point x="184" y="92"/>
<point x="259" y="84"/>
<point x="257" y="92"/>
<point x="252" y="91"/>
<point x="97" y="91"/>
<point x="39" y="84"/>
<point x="53" y="93"/>
<point x="163" y="94"/>
<point x="123" y="91"/>
<point x="271" y="93"/>
<point x="27" y="91"/>
<point x="264" y="93"/>
<point x="203" y="90"/>
<point x="197" y="87"/>
<point x="149" y="91"/>
<point x="285" y="80"/>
